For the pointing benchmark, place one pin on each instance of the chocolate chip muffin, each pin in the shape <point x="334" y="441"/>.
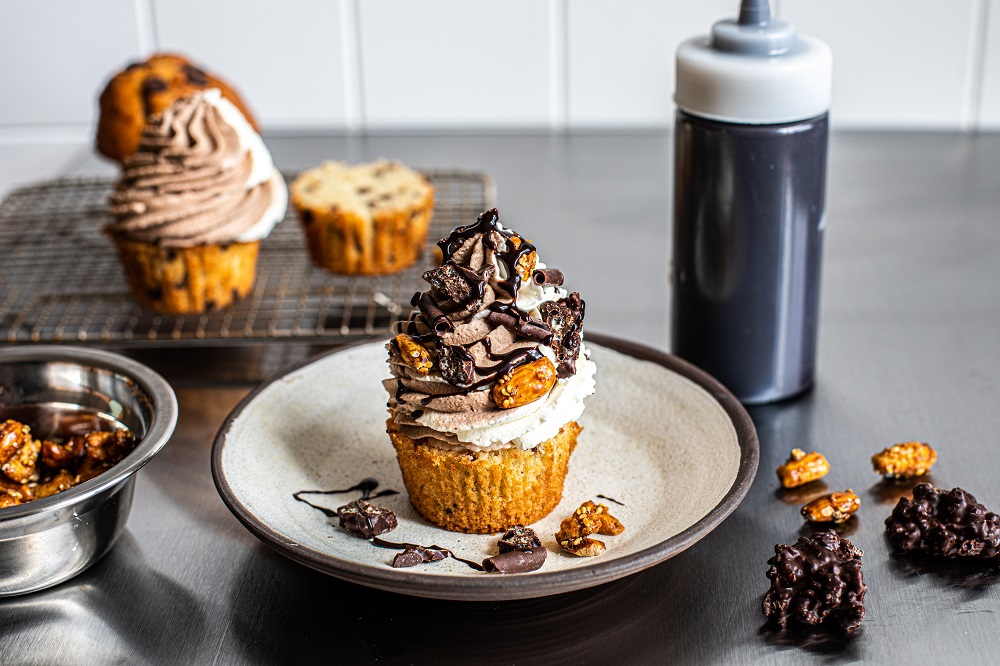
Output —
<point x="366" y="219"/>
<point x="147" y="88"/>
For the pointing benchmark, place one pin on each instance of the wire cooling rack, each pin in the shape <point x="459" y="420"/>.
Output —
<point x="60" y="279"/>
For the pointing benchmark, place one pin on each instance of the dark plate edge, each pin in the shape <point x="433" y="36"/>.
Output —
<point x="515" y="587"/>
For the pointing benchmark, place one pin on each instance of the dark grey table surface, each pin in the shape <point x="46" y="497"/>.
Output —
<point x="909" y="342"/>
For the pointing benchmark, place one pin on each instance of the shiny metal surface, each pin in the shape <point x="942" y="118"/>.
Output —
<point x="908" y="349"/>
<point x="47" y="541"/>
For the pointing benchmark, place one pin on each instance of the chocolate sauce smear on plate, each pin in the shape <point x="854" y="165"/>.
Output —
<point x="377" y="520"/>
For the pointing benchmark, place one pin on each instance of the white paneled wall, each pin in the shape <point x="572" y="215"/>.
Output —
<point x="367" y="64"/>
<point x="291" y="71"/>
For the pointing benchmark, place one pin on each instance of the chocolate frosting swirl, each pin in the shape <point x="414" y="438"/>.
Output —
<point x="192" y="180"/>
<point x="482" y="320"/>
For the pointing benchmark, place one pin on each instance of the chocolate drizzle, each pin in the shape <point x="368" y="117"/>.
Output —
<point x="368" y="521"/>
<point x="472" y="300"/>
<point x="507" y="251"/>
<point x="382" y="543"/>
<point x="611" y="499"/>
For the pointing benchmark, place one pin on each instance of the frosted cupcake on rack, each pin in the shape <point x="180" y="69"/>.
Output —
<point x="489" y="376"/>
<point x="193" y="204"/>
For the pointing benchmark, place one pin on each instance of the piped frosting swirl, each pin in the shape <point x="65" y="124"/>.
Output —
<point x="491" y="309"/>
<point x="201" y="176"/>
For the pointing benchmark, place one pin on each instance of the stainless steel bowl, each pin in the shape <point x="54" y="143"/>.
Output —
<point x="49" y="540"/>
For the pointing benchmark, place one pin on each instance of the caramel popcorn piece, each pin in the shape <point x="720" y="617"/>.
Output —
<point x="414" y="354"/>
<point x="904" y="461"/>
<point x="583" y="547"/>
<point x="832" y="508"/>
<point x="801" y="468"/>
<point x="589" y="519"/>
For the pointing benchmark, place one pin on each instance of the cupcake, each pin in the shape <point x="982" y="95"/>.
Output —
<point x="193" y="204"/>
<point x="368" y="219"/>
<point x="147" y="88"/>
<point x="489" y="373"/>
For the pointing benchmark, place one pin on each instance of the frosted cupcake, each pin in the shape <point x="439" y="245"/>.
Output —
<point x="193" y="204"/>
<point x="489" y="374"/>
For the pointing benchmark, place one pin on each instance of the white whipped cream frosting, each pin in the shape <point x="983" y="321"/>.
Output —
<point x="262" y="169"/>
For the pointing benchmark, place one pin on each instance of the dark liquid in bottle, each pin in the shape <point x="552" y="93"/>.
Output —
<point x="748" y="238"/>
<point x="59" y="421"/>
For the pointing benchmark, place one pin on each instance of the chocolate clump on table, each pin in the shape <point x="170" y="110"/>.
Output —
<point x="944" y="524"/>
<point x="816" y="581"/>
<point x="520" y="552"/>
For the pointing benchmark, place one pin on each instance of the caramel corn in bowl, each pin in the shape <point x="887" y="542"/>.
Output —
<point x="75" y="427"/>
<point x="489" y="375"/>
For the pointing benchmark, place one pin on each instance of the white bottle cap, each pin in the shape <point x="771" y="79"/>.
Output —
<point x="754" y="71"/>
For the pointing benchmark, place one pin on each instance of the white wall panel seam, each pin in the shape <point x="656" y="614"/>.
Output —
<point x="558" y="65"/>
<point x="145" y="26"/>
<point x="972" y="112"/>
<point x="350" y="44"/>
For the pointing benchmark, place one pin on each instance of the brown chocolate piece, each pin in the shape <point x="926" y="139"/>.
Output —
<point x="456" y="364"/>
<point x="551" y="276"/>
<point x="519" y="537"/>
<point x="432" y="313"/>
<point x="528" y="327"/>
<point x="942" y="524"/>
<point x="816" y="581"/>
<point x="565" y="318"/>
<point x="414" y="555"/>
<point x="515" y="561"/>
<point x="460" y="284"/>
<point x="366" y="520"/>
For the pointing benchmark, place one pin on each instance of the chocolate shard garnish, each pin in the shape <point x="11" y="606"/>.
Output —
<point x="460" y="284"/>
<point x="414" y="555"/>
<point x="515" y="561"/>
<point x="565" y="318"/>
<point x="449" y="281"/>
<point x="456" y="365"/>
<point x="551" y="276"/>
<point x="519" y="537"/>
<point x="433" y="315"/>
<point x="527" y="327"/>
<point x="366" y="520"/>
<point x="520" y="551"/>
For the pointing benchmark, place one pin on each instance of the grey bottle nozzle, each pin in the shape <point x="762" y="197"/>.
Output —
<point x="755" y="32"/>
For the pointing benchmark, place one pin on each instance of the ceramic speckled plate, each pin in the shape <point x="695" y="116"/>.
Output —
<point x="660" y="436"/>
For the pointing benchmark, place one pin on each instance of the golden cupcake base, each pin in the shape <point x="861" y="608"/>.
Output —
<point x="189" y="279"/>
<point x="345" y="243"/>
<point x="487" y="492"/>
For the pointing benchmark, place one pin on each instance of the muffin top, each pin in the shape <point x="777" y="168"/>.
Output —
<point x="147" y="88"/>
<point x="201" y="176"/>
<point x="492" y="356"/>
<point x="366" y="190"/>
